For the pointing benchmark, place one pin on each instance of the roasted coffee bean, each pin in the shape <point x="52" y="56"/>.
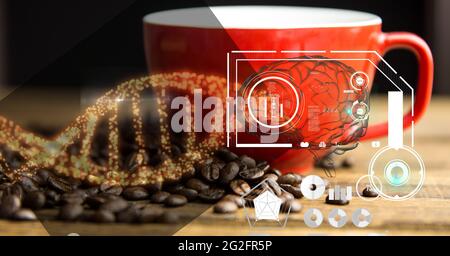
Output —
<point x="44" y="174"/>
<point x="52" y="198"/>
<point x="290" y="179"/>
<point x="103" y="216"/>
<point x="10" y="205"/>
<point x="235" y="199"/>
<point x="114" y="189"/>
<point x="169" y="217"/>
<point x="175" y="201"/>
<point x="273" y="185"/>
<point x="114" y="205"/>
<point x="210" y="172"/>
<point x="135" y="193"/>
<point x="94" y="202"/>
<point x="229" y="172"/>
<point x="251" y="174"/>
<point x="154" y="187"/>
<point x="59" y="184"/>
<point x="34" y="200"/>
<point x="128" y="215"/>
<point x="292" y="205"/>
<point x="264" y="166"/>
<point x="248" y="161"/>
<point x="275" y="171"/>
<point x="225" y="206"/>
<point x="189" y="193"/>
<point x="70" y="212"/>
<point x="24" y="215"/>
<point x="240" y="187"/>
<point x="72" y="198"/>
<point x="5" y="186"/>
<point x="150" y="214"/>
<point x="196" y="184"/>
<point x="175" y="151"/>
<point x="159" y="197"/>
<point x="211" y="195"/>
<point x="369" y="192"/>
<point x="337" y="202"/>
<point x="92" y="191"/>
<point x="286" y="196"/>
<point x="348" y="162"/>
<point x="226" y="155"/>
<point x="173" y="189"/>
<point x="17" y="190"/>
<point x="27" y="184"/>
<point x="269" y="176"/>
<point x="295" y="191"/>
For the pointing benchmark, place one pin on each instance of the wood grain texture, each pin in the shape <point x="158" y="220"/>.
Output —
<point x="426" y="214"/>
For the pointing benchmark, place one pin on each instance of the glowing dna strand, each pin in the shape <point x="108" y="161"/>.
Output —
<point x="39" y="152"/>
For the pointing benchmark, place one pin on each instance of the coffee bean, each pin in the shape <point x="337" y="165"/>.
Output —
<point x="44" y="174"/>
<point x="103" y="216"/>
<point x="72" y="198"/>
<point x="128" y="215"/>
<point x="226" y="155"/>
<point x="175" y="201"/>
<point x="251" y="174"/>
<point x="175" y="150"/>
<point x="269" y="176"/>
<point x="10" y="205"/>
<point x="275" y="171"/>
<point x="70" y="212"/>
<point x="196" y="184"/>
<point x="211" y="195"/>
<point x="273" y="185"/>
<point x="263" y="166"/>
<point x="235" y="199"/>
<point x="369" y="192"/>
<point x="248" y="161"/>
<point x="34" y="200"/>
<point x="154" y="187"/>
<point x="159" y="197"/>
<point x="337" y="202"/>
<point x="52" y="198"/>
<point x="210" y="172"/>
<point x="94" y="202"/>
<point x="348" y="162"/>
<point x="92" y="191"/>
<point x="290" y="178"/>
<point x="149" y="214"/>
<point x="228" y="173"/>
<point x="286" y="196"/>
<point x="17" y="190"/>
<point x="240" y="187"/>
<point x="114" y="205"/>
<point x="24" y="215"/>
<point x="291" y="205"/>
<point x="27" y="184"/>
<point x="135" y="193"/>
<point x="173" y="189"/>
<point x="59" y="184"/>
<point x="225" y="207"/>
<point x="111" y="189"/>
<point x="169" y="217"/>
<point x="295" y="191"/>
<point x="189" y="193"/>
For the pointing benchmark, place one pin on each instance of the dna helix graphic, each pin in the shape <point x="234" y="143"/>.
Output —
<point x="38" y="152"/>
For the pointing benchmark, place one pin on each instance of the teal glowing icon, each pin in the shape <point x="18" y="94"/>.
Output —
<point x="396" y="172"/>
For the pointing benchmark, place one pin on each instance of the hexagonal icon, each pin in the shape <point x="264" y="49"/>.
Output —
<point x="265" y="206"/>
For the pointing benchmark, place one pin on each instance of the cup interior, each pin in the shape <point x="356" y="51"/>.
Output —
<point x="262" y="17"/>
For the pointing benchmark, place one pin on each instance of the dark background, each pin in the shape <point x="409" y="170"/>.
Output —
<point x="77" y="43"/>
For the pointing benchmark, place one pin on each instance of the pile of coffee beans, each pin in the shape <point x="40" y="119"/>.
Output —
<point x="221" y="180"/>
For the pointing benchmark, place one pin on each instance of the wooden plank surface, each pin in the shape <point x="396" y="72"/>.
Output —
<point x="426" y="214"/>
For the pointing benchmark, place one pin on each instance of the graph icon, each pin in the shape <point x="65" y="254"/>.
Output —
<point x="340" y="193"/>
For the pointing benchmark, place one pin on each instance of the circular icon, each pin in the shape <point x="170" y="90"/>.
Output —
<point x="400" y="181"/>
<point x="359" y="80"/>
<point x="337" y="218"/>
<point x="361" y="218"/>
<point x="313" y="218"/>
<point x="360" y="110"/>
<point x="358" y="189"/>
<point x="396" y="172"/>
<point x="312" y="187"/>
<point x="297" y="102"/>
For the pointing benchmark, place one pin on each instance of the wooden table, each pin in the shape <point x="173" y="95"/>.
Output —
<point x="426" y="214"/>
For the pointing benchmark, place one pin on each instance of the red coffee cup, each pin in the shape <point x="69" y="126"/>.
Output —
<point x="198" y="40"/>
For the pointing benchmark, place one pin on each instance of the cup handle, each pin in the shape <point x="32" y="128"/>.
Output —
<point x="409" y="41"/>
